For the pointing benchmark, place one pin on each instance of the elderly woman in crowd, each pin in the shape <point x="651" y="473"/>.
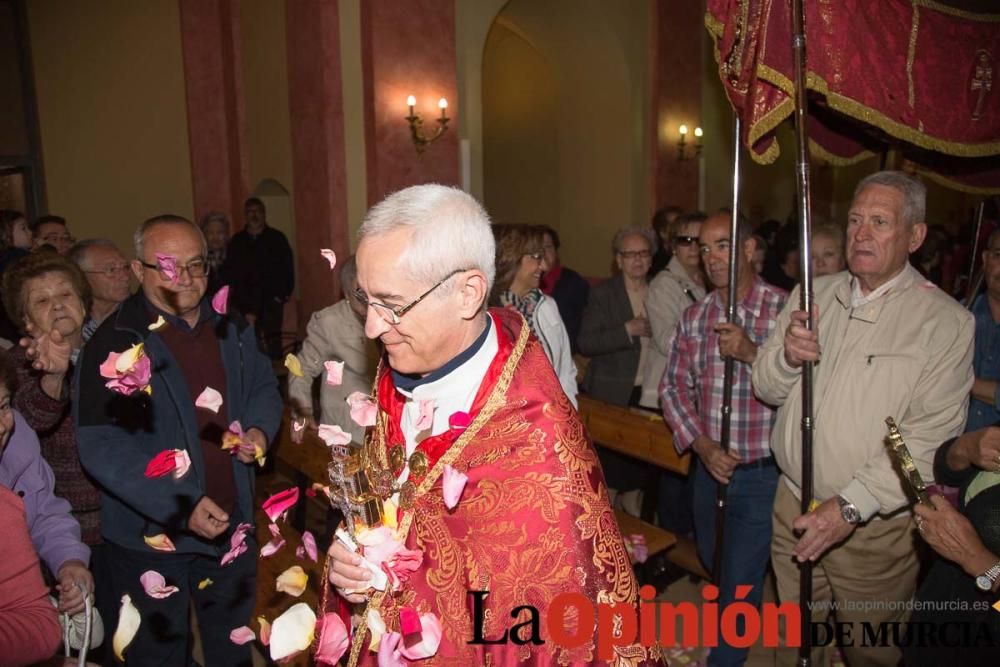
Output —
<point x="48" y="297"/>
<point x="615" y="334"/>
<point x="963" y="582"/>
<point x="520" y="262"/>
<point x="828" y="249"/>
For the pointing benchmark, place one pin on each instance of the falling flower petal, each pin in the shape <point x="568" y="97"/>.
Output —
<point x="376" y="626"/>
<point x="242" y="635"/>
<point x="168" y="266"/>
<point x="640" y="552"/>
<point x="155" y="585"/>
<point x="379" y="544"/>
<point x="333" y="640"/>
<point x="209" y="399"/>
<point x="279" y="504"/>
<point x="452" y="485"/>
<point x="220" y="302"/>
<point x="292" y="632"/>
<point x="409" y="622"/>
<point x="430" y="639"/>
<point x="309" y="542"/>
<point x="293" y="365"/>
<point x="402" y="564"/>
<point x="300" y="552"/>
<point x="426" y="418"/>
<point x="292" y="581"/>
<point x="459" y="420"/>
<point x="277" y="541"/>
<point x="298" y="424"/>
<point x="205" y="583"/>
<point x="183" y="460"/>
<point x="234" y="437"/>
<point x="363" y="409"/>
<point x="389" y="654"/>
<point x="265" y="630"/>
<point x="334" y="372"/>
<point x="158" y="324"/>
<point x="128" y="625"/>
<point x="237" y="544"/>
<point x="159" y="542"/>
<point x="329" y="256"/>
<point x="127" y="372"/>
<point x="333" y="435"/>
<point x="162" y="464"/>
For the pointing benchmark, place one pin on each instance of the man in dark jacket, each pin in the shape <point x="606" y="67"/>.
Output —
<point x="567" y="287"/>
<point x="177" y="525"/>
<point x="259" y="264"/>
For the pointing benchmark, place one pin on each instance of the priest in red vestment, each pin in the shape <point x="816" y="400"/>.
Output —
<point x="493" y="501"/>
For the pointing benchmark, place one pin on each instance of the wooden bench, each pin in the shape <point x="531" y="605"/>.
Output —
<point x="642" y="435"/>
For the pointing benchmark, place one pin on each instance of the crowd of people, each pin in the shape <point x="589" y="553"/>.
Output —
<point x="490" y="481"/>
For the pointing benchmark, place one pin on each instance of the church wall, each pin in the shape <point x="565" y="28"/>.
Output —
<point x="111" y="106"/>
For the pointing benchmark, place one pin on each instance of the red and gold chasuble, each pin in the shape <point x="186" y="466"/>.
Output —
<point x="533" y="521"/>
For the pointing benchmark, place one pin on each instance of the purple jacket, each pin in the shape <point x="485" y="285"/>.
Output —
<point x="54" y="531"/>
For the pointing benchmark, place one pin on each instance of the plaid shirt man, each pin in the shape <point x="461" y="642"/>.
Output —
<point x="691" y="389"/>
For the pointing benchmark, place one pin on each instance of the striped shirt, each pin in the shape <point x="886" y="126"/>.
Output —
<point x="691" y="389"/>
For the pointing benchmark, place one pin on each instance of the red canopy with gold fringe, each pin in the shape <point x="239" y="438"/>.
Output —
<point x="917" y="74"/>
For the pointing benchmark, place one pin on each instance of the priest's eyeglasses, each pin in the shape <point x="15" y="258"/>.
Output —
<point x="393" y="314"/>
<point x="196" y="268"/>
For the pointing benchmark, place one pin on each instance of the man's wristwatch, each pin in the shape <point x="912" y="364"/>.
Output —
<point x="987" y="579"/>
<point x="848" y="511"/>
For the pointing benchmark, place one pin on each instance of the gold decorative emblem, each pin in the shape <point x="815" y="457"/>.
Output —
<point x="908" y="469"/>
<point x="418" y="464"/>
<point x="982" y="82"/>
<point x="407" y="494"/>
<point x="397" y="457"/>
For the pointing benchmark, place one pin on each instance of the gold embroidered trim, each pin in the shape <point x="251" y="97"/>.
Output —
<point x="838" y="160"/>
<point x="911" y="54"/>
<point x="945" y="9"/>
<point x="494" y="402"/>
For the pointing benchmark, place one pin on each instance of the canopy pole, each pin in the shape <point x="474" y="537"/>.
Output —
<point x="975" y="280"/>
<point x="730" y="363"/>
<point x="805" y="304"/>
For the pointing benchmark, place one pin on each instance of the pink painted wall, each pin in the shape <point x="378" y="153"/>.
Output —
<point x="408" y="48"/>
<point x="676" y="70"/>
<point x="216" y="123"/>
<point x="317" y="125"/>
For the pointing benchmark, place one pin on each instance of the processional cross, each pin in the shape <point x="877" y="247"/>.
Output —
<point x="982" y="80"/>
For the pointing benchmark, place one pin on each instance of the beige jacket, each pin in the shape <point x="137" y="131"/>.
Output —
<point x="669" y="295"/>
<point x="907" y="354"/>
<point x="334" y="334"/>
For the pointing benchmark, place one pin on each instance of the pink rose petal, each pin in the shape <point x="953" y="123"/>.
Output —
<point x="333" y="435"/>
<point x="168" y="266"/>
<point x="237" y="544"/>
<point x="209" y="399"/>
<point x="242" y="635"/>
<point x="183" y="463"/>
<point x="300" y="552"/>
<point x="389" y="654"/>
<point x="155" y="585"/>
<point x="329" y="256"/>
<point x="428" y="642"/>
<point x="459" y="420"/>
<point x="277" y="541"/>
<point x="334" y="372"/>
<point x="279" y="504"/>
<point x="409" y="622"/>
<point x="401" y="565"/>
<point x="220" y="302"/>
<point x="640" y="552"/>
<point x="363" y="409"/>
<point x="452" y="485"/>
<point x="333" y="640"/>
<point x="426" y="418"/>
<point x="309" y="542"/>
<point x="127" y="372"/>
<point x="379" y="544"/>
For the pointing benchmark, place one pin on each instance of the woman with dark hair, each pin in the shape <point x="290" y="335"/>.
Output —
<point x="520" y="263"/>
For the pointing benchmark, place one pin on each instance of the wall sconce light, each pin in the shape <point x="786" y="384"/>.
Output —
<point x="416" y="124"/>
<point x="682" y="143"/>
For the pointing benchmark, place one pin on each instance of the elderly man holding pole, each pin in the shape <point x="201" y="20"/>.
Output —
<point x="886" y="343"/>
